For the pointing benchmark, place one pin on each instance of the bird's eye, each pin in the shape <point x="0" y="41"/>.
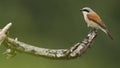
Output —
<point x="86" y="10"/>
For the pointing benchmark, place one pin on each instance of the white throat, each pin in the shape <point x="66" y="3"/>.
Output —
<point x="85" y="15"/>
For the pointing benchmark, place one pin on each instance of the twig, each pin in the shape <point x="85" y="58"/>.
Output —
<point x="3" y="32"/>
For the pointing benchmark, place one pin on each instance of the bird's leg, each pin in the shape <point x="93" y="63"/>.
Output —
<point x="93" y="29"/>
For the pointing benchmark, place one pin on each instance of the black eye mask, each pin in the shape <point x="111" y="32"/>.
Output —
<point x="86" y="10"/>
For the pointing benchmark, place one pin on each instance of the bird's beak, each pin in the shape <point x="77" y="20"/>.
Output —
<point x="81" y="9"/>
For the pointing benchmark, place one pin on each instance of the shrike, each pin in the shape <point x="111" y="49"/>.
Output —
<point x="93" y="20"/>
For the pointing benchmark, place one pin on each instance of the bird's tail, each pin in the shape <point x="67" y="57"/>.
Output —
<point x="109" y="34"/>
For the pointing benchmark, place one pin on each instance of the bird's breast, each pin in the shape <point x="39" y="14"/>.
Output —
<point x="90" y="23"/>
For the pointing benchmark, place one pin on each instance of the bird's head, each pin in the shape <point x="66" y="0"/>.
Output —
<point x="86" y="10"/>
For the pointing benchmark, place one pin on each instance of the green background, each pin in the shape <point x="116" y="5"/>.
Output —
<point x="60" y="24"/>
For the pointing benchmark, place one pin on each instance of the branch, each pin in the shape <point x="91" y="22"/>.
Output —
<point x="13" y="46"/>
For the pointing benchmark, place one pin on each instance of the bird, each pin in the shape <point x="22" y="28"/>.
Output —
<point x="94" y="21"/>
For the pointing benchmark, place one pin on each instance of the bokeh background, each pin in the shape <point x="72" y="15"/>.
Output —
<point x="60" y="24"/>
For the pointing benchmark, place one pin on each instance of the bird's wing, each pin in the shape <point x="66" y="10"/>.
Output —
<point x="94" y="17"/>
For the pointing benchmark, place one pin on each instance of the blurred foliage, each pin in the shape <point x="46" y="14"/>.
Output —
<point x="60" y="24"/>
